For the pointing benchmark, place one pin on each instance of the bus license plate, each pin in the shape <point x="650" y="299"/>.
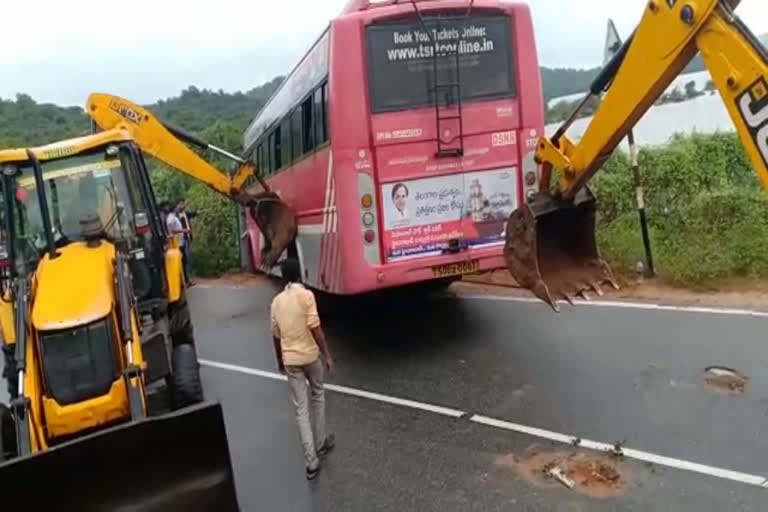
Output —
<point x="456" y="269"/>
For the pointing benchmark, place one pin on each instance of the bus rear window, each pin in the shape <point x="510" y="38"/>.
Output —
<point x="401" y="61"/>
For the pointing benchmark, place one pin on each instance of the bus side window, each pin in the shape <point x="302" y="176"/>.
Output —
<point x="285" y="142"/>
<point x="308" y="132"/>
<point x="319" y="128"/>
<point x="270" y="152"/>
<point x="298" y="143"/>
<point x="326" y="111"/>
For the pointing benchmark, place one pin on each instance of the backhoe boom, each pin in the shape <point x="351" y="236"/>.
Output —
<point x="277" y="221"/>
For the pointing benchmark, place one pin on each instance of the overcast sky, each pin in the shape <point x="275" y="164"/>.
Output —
<point x="151" y="49"/>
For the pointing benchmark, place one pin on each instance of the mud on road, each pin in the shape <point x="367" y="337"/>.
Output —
<point x="588" y="473"/>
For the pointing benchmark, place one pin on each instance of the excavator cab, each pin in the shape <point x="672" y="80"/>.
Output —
<point x="104" y="377"/>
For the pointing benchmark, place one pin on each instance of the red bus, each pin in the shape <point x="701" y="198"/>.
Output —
<point x="404" y="139"/>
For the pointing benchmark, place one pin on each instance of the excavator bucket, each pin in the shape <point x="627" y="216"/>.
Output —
<point x="277" y="222"/>
<point x="551" y="250"/>
<point x="176" y="462"/>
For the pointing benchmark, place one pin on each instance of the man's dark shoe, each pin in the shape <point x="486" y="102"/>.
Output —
<point x="328" y="444"/>
<point x="312" y="473"/>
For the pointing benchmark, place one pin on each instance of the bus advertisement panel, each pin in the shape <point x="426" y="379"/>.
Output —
<point x="422" y="216"/>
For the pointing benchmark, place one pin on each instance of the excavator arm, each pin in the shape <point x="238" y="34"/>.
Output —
<point x="550" y="247"/>
<point x="276" y="220"/>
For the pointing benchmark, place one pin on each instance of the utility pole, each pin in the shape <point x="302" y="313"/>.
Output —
<point x="612" y="44"/>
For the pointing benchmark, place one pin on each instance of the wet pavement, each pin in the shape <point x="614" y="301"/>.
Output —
<point x="605" y="374"/>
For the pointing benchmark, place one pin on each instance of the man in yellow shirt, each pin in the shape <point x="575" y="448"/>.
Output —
<point x="299" y="341"/>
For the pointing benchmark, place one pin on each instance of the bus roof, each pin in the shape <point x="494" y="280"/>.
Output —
<point x="315" y="63"/>
<point x="363" y="5"/>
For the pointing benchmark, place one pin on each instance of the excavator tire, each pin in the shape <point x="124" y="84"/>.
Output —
<point x="186" y="388"/>
<point x="180" y="323"/>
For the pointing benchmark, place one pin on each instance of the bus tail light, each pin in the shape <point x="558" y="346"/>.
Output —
<point x="530" y="176"/>
<point x="369" y="227"/>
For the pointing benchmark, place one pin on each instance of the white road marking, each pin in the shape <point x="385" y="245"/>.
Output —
<point x="650" y="306"/>
<point x="242" y="369"/>
<point x="623" y="304"/>
<point x="445" y="411"/>
<point x="726" y="474"/>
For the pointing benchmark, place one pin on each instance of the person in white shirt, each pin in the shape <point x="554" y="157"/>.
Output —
<point x="176" y="228"/>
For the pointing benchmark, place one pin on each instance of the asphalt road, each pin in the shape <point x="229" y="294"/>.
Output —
<point x="604" y="374"/>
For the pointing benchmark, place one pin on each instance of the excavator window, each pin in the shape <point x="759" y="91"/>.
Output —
<point x="76" y="187"/>
<point x="80" y="363"/>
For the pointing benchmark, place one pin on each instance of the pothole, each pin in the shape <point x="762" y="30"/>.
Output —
<point x="594" y="475"/>
<point x="724" y="380"/>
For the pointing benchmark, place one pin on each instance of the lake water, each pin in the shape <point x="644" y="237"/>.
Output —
<point x="705" y="114"/>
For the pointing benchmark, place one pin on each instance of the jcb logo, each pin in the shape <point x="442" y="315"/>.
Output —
<point x="753" y="105"/>
<point x="126" y="111"/>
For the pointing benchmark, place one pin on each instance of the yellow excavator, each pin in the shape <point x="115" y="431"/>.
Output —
<point x="107" y="408"/>
<point x="550" y="244"/>
<point x="275" y="219"/>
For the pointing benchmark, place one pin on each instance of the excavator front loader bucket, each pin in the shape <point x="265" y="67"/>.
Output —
<point x="176" y="462"/>
<point x="277" y="222"/>
<point x="551" y="249"/>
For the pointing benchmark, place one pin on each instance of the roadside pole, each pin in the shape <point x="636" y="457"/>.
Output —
<point x="612" y="44"/>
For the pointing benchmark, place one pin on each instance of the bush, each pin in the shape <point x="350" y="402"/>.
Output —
<point x="705" y="207"/>
<point x="215" y="244"/>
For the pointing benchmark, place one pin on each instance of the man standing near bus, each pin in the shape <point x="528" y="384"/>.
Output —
<point x="299" y="343"/>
